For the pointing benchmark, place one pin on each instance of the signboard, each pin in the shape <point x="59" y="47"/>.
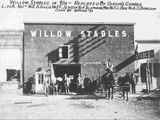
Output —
<point x="129" y="60"/>
<point x="145" y="54"/>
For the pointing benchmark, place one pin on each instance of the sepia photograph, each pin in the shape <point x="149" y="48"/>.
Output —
<point x="80" y="59"/>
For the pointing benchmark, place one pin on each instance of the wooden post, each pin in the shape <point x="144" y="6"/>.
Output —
<point x="148" y="76"/>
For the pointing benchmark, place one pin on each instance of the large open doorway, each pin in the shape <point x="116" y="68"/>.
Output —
<point x="69" y="69"/>
<point x="72" y="70"/>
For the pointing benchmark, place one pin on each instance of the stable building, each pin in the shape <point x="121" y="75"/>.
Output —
<point x="76" y="48"/>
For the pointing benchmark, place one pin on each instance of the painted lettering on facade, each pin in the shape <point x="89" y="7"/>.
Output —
<point x="83" y="34"/>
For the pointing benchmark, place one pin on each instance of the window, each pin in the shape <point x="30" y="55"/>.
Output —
<point x="40" y="79"/>
<point x="156" y="70"/>
<point x="64" y="51"/>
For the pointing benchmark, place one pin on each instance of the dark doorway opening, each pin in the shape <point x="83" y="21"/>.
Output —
<point x="71" y="70"/>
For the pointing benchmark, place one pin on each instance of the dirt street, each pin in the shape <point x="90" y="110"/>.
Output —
<point x="14" y="105"/>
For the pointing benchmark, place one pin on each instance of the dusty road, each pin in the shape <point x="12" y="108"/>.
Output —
<point x="14" y="105"/>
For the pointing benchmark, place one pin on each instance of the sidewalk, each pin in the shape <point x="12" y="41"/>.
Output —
<point x="153" y="95"/>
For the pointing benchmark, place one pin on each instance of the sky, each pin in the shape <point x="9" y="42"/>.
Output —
<point x="147" y="23"/>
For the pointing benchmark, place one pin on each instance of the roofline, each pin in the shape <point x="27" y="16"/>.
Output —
<point x="148" y="41"/>
<point x="80" y="23"/>
<point x="12" y="30"/>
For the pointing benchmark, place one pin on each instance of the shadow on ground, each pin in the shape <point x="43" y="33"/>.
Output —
<point x="92" y="96"/>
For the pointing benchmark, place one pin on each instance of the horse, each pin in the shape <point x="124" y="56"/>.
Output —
<point x="108" y="83"/>
<point x="124" y="84"/>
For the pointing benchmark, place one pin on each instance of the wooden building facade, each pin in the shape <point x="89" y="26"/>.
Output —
<point x="76" y="48"/>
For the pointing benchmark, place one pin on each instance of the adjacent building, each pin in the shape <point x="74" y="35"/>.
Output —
<point x="11" y="55"/>
<point x="154" y="64"/>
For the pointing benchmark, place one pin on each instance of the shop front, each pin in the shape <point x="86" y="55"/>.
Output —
<point x="149" y="68"/>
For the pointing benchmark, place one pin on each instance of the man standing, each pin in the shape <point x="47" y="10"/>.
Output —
<point x="80" y="81"/>
<point x="126" y="86"/>
<point x="133" y="83"/>
<point x="67" y="82"/>
<point x="46" y="86"/>
<point x="86" y="84"/>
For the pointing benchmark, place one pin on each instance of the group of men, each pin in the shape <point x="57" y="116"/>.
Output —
<point x="69" y="83"/>
<point x="64" y="84"/>
<point x="76" y="83"/>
